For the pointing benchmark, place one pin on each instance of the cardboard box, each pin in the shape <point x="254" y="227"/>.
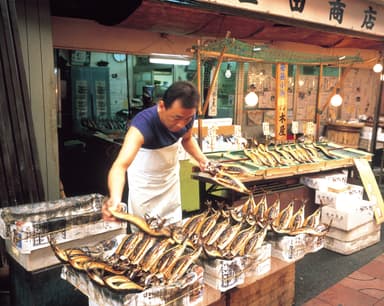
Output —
<point x="349" y="247"/>
<point x="345" y="220"/>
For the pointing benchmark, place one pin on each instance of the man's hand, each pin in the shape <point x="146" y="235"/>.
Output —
<point x="108" y="205"/>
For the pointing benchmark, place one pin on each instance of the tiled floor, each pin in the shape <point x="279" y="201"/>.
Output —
<point x="364" y="287"/>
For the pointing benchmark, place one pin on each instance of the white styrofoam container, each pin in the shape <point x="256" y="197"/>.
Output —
<point x="338" y="200"/>
<point x="43" y="257"/>
<point x="27" y="241"/>
<point x="259" y="268"/>
<point x="224" y="274"/>
<point x="289" y="248"/>
<point x="260" y="263"/>
<point x="187" y="293"/>
<point x="345" y="220"/>
<point x="355" y="233"/>
<point x="322" y="181"/>
<point x="349" y="247"/>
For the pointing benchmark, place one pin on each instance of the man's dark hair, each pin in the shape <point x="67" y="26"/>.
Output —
<point x="186" y="92"/>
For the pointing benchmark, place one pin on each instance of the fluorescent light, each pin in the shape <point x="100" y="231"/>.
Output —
<point x="169" y="59"/>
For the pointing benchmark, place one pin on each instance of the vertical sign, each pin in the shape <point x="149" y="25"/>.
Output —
<point x="212" y="107"/>
<point x="281" y="101"/>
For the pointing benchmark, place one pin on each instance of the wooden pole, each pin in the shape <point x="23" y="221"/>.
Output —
<point x="215" y="76"/>
<point x="338" y="85"/>
<point x="199" y="112"/>
<point x="317" y="116"/>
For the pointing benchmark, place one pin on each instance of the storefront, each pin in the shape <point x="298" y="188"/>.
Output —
<point x="317" y="47"/>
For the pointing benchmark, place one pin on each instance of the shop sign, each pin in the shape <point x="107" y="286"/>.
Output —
<point x="281" y="101"/>
<point x="355" y="15"/>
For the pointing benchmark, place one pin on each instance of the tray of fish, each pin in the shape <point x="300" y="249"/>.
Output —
<point x="134" y="269"/>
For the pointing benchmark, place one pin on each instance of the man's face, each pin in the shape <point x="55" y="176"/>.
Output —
<point x="176" y="117"/>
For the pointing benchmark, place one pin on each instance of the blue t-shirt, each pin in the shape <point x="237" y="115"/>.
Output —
<point x="156" y="135"/>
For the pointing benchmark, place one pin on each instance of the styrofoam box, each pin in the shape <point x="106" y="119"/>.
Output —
<point x="187" y="293"/>
<point x="339" y="199"/>
<point x="349" y="247"/>
<point x="345" y="220"/>
<point x="44" y="256"/>
<point x="355" y="233"/>
<point x="289" y="248"/>
<point x="224" y="274"/>
<point x="322" y="181"/>
<point x="260" y="268"/>
<point x="251" y="264"/>
<point x="27" y="241"/>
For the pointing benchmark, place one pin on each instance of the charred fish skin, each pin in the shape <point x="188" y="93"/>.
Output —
<point x="142" y="248"/>
<point x="154" y="254"/>
<point x="254" y="243"/>
<point x="208" y="224"/>
<point x="193" y="223"/>
<point x="122" y="283"/>
<point x="239" y="242"/>
<point x="298" y="218"/>
<point x="227" y="236"/>
<point x="313" y="220"/>
<point x="142" y="224"/>
<point x="217" y="231"/>
<point x="180" y="267"/>
<point x="168" y="258"/>
<point x="283" y="219"/>
<point x="128" y="249"/>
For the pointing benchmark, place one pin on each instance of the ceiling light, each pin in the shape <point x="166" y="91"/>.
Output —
<point x="228" y="72"/>
<point x="378" y="68"/>
<point x="169" y="59"/>
<point x="336" y="99"/>
<point x="251" y="98"/>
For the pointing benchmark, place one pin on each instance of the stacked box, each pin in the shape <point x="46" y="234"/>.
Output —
<point x="346" y="220"/>
<point x="224" y="274"/>
<point x="349" y="247"/>
<point x="353" y="227"/>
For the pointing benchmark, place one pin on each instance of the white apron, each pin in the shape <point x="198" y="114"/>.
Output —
<point x="154" y="184"/>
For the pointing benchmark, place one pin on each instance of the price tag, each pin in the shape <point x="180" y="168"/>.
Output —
<point x="310" y="128"/>
<point x="266" y="128"/>
<point x="295" y="127"/>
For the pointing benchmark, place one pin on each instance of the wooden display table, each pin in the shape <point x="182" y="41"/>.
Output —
<point x="277" y="287"/>
<point x="346" y="134"/>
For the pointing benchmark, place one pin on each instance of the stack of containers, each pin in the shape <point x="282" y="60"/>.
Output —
<point x="351" y="217"/>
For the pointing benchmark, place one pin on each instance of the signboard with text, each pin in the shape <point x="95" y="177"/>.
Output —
<point x="355" y="15"/>
<point x="281" y="101"/>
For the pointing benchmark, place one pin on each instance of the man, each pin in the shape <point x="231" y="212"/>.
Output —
<point x="150" y="154"/>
